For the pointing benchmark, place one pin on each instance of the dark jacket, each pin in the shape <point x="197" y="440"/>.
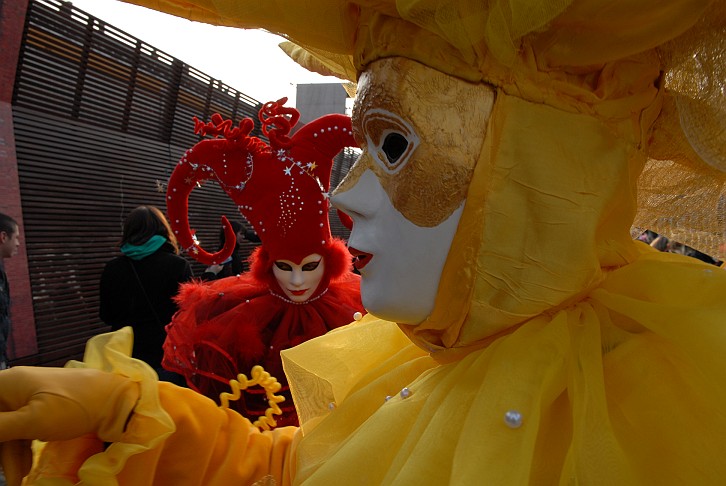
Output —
<point x="125" y="303"/>
<point x="4" y="316"/>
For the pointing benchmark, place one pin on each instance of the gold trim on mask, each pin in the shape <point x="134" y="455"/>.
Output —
<point x="428" y="181"/>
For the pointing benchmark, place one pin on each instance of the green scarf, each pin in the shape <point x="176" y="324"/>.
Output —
<point x="137" y="252"/>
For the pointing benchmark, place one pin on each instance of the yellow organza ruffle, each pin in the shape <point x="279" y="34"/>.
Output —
<point x="321" y="372"/>
<point x="623" y="387"/>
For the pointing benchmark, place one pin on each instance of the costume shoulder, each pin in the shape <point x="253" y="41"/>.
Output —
<point x="322" y="372"/>
<point x="216" y="333"/>
<point x="211" y="297"/>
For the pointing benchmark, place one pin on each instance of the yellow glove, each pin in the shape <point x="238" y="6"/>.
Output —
<point x="64" y="403"/>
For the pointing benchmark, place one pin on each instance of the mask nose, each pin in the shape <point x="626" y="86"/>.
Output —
<point x="297" y="278"/>
<point x="362" y="200"/>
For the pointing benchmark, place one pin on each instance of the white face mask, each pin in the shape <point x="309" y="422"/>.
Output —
<point x="299" y="281"/>
<point x="403" y="262"/>
<point x="408" y="188"/>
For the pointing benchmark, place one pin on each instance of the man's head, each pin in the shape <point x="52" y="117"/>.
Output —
<point x="9" y="236"/>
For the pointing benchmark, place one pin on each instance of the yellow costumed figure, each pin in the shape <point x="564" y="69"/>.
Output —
<point x="508" y="146"/>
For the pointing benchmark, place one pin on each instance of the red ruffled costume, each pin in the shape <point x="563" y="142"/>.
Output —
<point x="226" y="327"/>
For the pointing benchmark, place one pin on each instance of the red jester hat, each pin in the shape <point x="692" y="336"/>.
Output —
<point x="280" y="188"/>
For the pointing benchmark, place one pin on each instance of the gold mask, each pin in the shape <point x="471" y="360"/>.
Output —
<point x="421" y="135"/>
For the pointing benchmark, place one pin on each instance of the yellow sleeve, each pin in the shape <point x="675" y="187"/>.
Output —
<point x="211" y="446"/>
<point x="173" y="436"/>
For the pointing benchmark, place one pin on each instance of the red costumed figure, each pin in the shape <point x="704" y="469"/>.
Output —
<point x="300" y="283"/>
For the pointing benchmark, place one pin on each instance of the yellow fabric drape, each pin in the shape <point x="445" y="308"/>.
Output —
<point x="110" y="353"/>
<point x="505" y="268"/>
<point x="595" y="383"/>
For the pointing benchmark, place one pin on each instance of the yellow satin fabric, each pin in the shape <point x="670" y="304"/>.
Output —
<point x="66" y="462"/>
<point x="174" y="436"/>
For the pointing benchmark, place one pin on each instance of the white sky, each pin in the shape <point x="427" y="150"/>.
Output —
<point x="247" y="60"/>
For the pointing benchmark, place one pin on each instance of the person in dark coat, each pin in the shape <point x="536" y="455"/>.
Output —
<point x="137" y="288"/>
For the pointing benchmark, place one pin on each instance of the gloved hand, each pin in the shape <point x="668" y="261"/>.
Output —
<point x="64" y="403"/>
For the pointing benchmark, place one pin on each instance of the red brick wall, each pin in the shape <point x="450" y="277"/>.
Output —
<point x="22" y="339"/>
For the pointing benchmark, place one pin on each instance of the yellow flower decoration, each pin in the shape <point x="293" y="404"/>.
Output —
<point x="268" y="383"/>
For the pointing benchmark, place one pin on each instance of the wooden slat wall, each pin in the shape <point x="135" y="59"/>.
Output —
<point x="78" y="182"/>
<point x="75" y="65"/>
<point x="101" y="118"/>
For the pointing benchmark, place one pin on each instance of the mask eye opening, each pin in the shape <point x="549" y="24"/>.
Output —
<point x="309" y="267"/>
<point x="394" y="146"/>
<point x="390" y="139"/>
<point x="283" y="266"/>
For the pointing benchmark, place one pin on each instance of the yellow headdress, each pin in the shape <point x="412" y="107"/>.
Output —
<point x="559" y="52"/>
<point x="634" y="86"/>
